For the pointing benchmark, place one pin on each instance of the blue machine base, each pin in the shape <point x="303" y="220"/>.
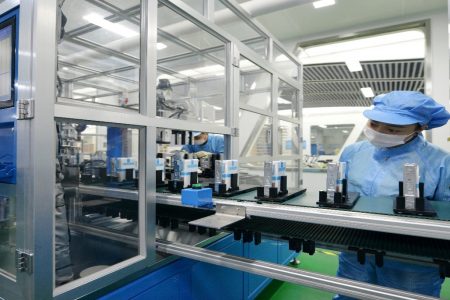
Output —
<point x="188" y="279"/>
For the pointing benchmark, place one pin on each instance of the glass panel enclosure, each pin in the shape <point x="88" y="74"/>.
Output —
<point x="284" y="64"/>
<point x="6" y="65"/>
<point x="255" y="136"/>
<point x="255" y="85"/>
<point x="240" y="29"/>
<point x="288" y="100"/>
<point x="191" y="71"/>
<point x="329" y="139"/>
<point x="8" y="150"/>
<point x="99" y="52"/>
<point x="288" y="138"/>
<point x="195" y="4"/>
<point x="7" y="223"/>
<point x="96" y="212"/>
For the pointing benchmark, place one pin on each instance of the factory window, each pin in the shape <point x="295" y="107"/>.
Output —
<point x="7" y="53"/>
<point x="99" y="52"/>
<point x="255" y="86"/>
<point x="191" y="82"/>
<point x="329" y="139"/>
<point x="288" y="100"/>
<point x="96" y="205"/>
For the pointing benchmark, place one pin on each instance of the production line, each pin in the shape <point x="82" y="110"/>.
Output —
<point x="171" y="152"/>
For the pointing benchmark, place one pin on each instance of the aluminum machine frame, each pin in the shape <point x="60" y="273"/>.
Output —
<point x="38" y="65"/>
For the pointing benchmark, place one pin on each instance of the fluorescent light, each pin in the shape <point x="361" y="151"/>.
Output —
<point x="345" y="131"/>
<point x="110" y="26"/>
<point x="353" y="65"/>
<point x="322" y="126"/>
<point x="253" y="86"/>
<point x="323" y="3"/>
<point x="283" y="101"/>
<point x="363" y="43"/>
<point x="65" y="68"/>
<point x="160" y="46"/>
<point x="217" y="107"/>
<point x="367" y="92"/>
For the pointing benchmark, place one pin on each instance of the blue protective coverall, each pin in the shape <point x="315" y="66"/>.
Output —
<point x="215" y="144"/>
<point x="375" y="172"/>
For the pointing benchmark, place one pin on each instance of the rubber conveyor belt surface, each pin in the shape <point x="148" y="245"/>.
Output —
<point x="348" y="237"/>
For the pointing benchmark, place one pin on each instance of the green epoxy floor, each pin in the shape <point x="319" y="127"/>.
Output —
<point x="323" y="262"/>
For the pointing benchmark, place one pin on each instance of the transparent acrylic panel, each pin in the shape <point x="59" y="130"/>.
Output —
<point x="284" y="64"/>
<point x="288" y="138"/>
<point x="287" y="100"/>
<point x="255" y="85"/>
<point x="293" y="173"/>
<point x="99" y="52"/>
<point x="176" y="145"/>
<point x="259" y="45"/>
<point x="329" y="139"/>
<point x="251" y="173"/>
<point x="238" y="28"/>
<point x="6" y="66"/>
<point x="175" y="28"/>
<point x="255" y="134"/>
<point x="96" y="212"/>
<point x="7" y="200"/>
<point x="191" y="82"/>
<point x="195" y="4"/>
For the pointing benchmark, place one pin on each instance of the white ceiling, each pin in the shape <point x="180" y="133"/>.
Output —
<point x="304" y="20"/>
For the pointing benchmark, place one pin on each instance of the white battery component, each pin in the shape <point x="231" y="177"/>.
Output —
<point x="410" y="184"/>
<point x="267" y="177"/>
<point x="341" y="176"/>
<point x="223" y="171"/>
<point x="188" y="166"/>
<point x="120" y="165"/>
<point x="332" y="177"/>
<point x="273" y="171"/>
<point x="160" y="166"/>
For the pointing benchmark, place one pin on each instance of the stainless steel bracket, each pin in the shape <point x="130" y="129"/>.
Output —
<point x="25" y="109"/>
<point x="24" y="261"/>
<point x="225" y="215"/>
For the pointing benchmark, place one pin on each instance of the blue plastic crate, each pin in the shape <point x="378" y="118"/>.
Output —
<point x="197" y="197"/>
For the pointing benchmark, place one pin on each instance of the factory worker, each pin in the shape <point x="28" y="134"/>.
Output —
<point x="204" y="142"/>
<point x="394" y="133"/>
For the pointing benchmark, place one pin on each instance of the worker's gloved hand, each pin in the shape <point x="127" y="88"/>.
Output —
<point x="201" y="154"/>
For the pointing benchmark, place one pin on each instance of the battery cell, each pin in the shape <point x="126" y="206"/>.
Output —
<point x="410" y="184"/>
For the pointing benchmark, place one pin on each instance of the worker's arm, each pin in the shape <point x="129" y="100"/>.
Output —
<point x="443" y="189"/>
<point x="187" y="148"/>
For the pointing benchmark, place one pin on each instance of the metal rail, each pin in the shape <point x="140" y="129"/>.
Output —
<point x="332" y="284"/>
<point x="367" y="221"/>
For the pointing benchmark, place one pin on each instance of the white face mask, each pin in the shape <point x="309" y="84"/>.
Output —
<point x="200" y="142"/>
<point x="383" y="140"/>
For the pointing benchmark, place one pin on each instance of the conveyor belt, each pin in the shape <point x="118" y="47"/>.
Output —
<point x="357" y="238"/>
